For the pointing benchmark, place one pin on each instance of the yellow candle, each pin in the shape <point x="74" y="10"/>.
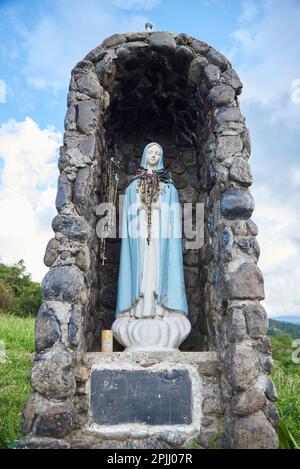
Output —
<point x="106" y="341"/>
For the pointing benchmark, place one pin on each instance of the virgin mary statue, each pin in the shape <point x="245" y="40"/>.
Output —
<point x="151" y="304"/>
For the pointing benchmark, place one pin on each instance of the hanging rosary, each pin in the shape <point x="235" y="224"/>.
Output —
<point x="149" y="189"/>
<point x="111" y="171"/>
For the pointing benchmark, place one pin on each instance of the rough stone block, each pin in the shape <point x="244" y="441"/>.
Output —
<point x="162" y="41"/>
<point x="241" y="366"/>
<point x="87" y="116"/>
<point x="244" y="283"/>
<point x="63" y="283"/>
<point x="254" y="432"/>
<point x="47" y="330"/>
<point x="51" y="252"/>
<point x="73" y="227"/>
<point x="52" y="374"/>
<point x="237" y="203"/>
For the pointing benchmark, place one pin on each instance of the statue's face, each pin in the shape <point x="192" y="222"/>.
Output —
<point x="153" y="155"/>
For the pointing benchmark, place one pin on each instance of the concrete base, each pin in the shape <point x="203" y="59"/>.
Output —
<point x="144" y="395"/>
<point x="138" y="400"/>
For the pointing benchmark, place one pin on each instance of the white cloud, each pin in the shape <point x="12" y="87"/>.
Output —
<point x="2" y="91"/>
<point x="295" y="95"/>
<point x="266" y="50"/>
<point x="279" y="225"/>
<point x="27" y="193"/>
<point x="295" y="176"/>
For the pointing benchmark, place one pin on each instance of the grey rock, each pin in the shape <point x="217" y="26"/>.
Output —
<point x="87" y="116"/>
<point x="51" y="252"/>
<point x="271" y="390"/>
<point x="88" y="84"/>
<point x="75" y="326"/>
<point x="272" y="414"/>
<point x="106" y="70"/>
<point x="228" y="146"/>
<point x="162" y="41"/>
<point x="173" y="439"/>
<point x="239" y="228"/>
<point x="237" y="203"/>
<point x="87" y="146"/>
<point x="248" y="402"/>
<point x="191" y="258"/>
<point x="244" y="283"/>
<point x="188" y="194"/>
<point x="64" y="191"/>
<point x="183" y="58"/>
<point x="47" y="330"/>
<point x="252" y="227"/>
<point x="188" y="157"/>
<point x="240" y="172"/>
<point x="114" y="40"/>
<point x="254" y="432"/>
<point x="192" y="278"/>
<point x="249" y="246"/>
<point x="52" y="374"/>
<point x="229" y="114"/>
<point x="183" y="39"/>
<point x="231" y="78"/>
<point x="212" y="74"/>
<point x="218" y="59"/>
<point x="222" y="95"/>
<point x="197" y="66"/>
<point x="177" y="167"/>
<point x="266" y="363"/>
<point x="199" y="46"/>
<point x="83" y="259"/>
<point x="241" y="366"/>
<point x="235" y="325"/>
<point x="256" y="319"/>
<point x="83" y="189"/>
<point x="57" y="421"/>
<point x="63" y="284"/>
<point x="70" y="119"/>
<point x="96" y="54"/>
<point x="246" y="140"/>
<point x="108" y="297"/>
<point x="137" y="36"/>
<point x="43" y="443"/>
<point x="29" y="413"/>
<point x="266" y="345"/>
<point x="179" y="181"/>
<point x="73" y="227"/>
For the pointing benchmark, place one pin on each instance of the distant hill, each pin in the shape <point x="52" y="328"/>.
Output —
<point x="292" y="319"/>
<point x="283" y="327"/>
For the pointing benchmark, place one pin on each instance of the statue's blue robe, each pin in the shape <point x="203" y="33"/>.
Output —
<point x="171" y="287"/>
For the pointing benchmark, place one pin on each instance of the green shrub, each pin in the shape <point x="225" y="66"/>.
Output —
<point x="19" y="295"/>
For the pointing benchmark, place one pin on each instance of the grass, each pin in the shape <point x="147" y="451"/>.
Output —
<point x="17" y="335"/>
<point x="288" y="390"/>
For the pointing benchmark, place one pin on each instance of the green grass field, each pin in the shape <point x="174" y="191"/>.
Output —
<point x="17" y="335"/>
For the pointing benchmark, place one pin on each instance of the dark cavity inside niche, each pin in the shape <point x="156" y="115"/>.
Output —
<point x="151" y="100"/>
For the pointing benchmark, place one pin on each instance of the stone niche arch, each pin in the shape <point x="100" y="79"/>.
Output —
<point x="131" y="89"/>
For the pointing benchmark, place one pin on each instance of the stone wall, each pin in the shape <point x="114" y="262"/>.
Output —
<point x="132" y="89"/>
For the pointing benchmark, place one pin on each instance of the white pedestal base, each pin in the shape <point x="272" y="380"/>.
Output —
<point x="151" y="335"/>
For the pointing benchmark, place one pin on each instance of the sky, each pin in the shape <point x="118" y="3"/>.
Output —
<point x="42" y="40"/>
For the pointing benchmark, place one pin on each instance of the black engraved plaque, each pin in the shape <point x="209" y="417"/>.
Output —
<point x="161" y="397"/>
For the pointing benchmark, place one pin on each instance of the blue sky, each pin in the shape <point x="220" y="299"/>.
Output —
<point x="40" y="42"/>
